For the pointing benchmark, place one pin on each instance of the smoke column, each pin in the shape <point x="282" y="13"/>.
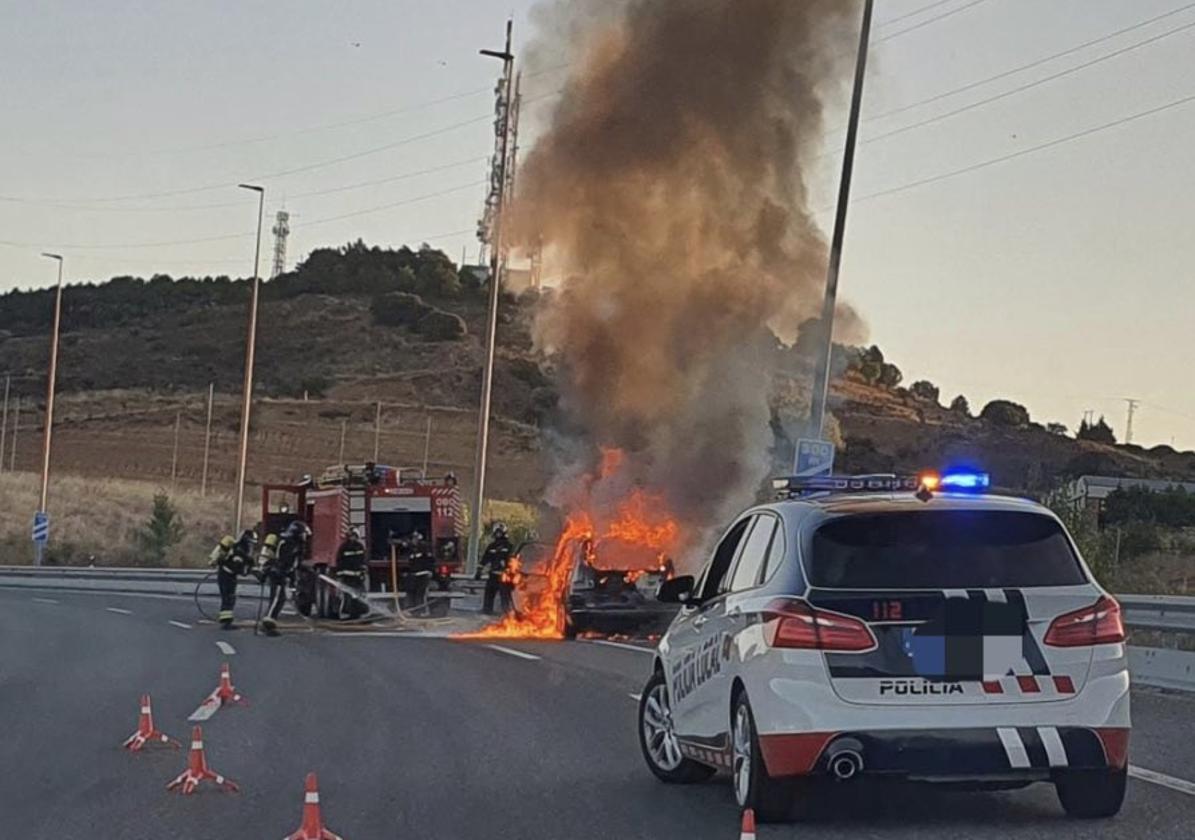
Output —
<point x="668" y="192"/>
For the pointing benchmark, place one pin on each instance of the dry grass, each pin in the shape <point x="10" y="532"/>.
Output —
<point x="101" y="518"/>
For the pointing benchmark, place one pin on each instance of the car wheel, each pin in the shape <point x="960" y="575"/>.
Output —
<point x="1091" y="794"/>
<point x="773" y="799"/>
<point x="657" y="738"/>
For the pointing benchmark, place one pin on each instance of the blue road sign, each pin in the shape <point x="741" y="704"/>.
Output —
<point x="814" y="458"/>
<point x="41" y="527"/>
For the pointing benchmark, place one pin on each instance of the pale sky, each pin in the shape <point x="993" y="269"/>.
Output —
<point x="1061" y="278"/>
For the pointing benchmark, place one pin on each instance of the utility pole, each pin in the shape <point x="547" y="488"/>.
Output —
<point x="821" y="386"/>
<point x="487" y="378"/>
<point x="207" y="438"/>
<point x="344" y="427"/>
<point x="1128" y="426"/>
<point x="250" y="351"/>
<point x="427" y="444"/>
<point x="16" y="427"/>
<point x="48" y="435"/>
<point x="4" y="421"/>
<point x="377" y="433"/>
<point x="178" y="422"/>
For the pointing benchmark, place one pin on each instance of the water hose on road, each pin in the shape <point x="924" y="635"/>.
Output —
<point x="199" y="586"/>
<point x="260" y="600"/>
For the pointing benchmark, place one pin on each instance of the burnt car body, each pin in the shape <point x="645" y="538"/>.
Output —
<point x="613" y="590"/>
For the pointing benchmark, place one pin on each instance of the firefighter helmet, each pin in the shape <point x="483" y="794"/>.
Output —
<point x="297" y="530"/>
<point x="499" y="529"/>
<point x="271" y="540"/>
<point x="227" y="541"/>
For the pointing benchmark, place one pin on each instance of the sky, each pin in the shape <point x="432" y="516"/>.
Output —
<point x="1060" y="277"/>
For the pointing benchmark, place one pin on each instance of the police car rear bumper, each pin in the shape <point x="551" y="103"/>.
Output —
<point x="1005" y="753"/>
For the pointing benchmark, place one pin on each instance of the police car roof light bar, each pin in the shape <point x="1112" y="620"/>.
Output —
<point x="956" y="481"/>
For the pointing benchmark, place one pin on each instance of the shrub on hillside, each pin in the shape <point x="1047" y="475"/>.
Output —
<point x="925" y="390"/>
<point x="162" y="532"/>
<point x="1057" y="429"/>
<point x="959" y="405"/>
<point x="1097" y="432"/>
<point x="438" y="325"/>
<point x="1005" y="413"/>
<point x="399" y="309"/>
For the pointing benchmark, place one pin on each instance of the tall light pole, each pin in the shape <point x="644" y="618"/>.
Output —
<point x="52" y="380"/>
<point x="207" y="438"/>
<point x="487" y="375"/>
<point x="4" y="421"/>
<point x="821" y="392"/>
<point x="250" y="350"/>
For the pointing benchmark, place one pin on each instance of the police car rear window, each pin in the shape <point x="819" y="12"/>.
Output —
<point x="942" y="550"/>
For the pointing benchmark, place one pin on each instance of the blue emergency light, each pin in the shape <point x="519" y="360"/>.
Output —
<point x="953" y="481"/>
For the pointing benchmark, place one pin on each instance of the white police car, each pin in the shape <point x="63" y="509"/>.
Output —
<point x="911" y="628"/>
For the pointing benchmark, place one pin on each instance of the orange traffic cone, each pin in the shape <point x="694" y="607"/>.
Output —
<point x="197" y="769"/>
<point x="146" y="731"/>
<point x="748" y="830"/>
<point x="313" y="824"/>
<point x="226" y="692"/>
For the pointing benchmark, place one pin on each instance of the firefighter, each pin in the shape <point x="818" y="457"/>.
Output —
<point x="421" y="567"/>
<point x="493" y="564"/>
<point x="351" y="571"/>
<point x="221" y="559"/>
<point x="292" y="547"/>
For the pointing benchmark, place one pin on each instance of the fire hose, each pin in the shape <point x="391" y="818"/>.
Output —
<point x="260" y="600"/>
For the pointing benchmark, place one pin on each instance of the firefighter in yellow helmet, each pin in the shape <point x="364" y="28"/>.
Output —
<point x="231" y="559"/>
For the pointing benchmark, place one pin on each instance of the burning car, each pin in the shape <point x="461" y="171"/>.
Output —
<point x="612" y="588"/>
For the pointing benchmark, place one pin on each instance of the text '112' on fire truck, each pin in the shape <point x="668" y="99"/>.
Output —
<point x="386" y="508"/>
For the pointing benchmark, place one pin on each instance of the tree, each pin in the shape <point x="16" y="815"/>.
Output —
<point x="1057" y="429"/>
<point x="1097" y="432"/>
<point x="399" y="309"/>
<point x="890" y="375"/>
<point x="162" y="532"/>
<point x="1005" y="413"/>
<point x="924" y="390"/>
<point x="959" y="405"/>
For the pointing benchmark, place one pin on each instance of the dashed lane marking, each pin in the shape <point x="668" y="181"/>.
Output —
<point x="118" y="611"/>
<point x="622" y="645"/>
<point x="635" y="697"/>
<point x="180" y="624"/>
<point x="226" y="648"/>
<point x="45" y="600"/>
<point x="512" y="652"/>
<point x="1154" y="777"/>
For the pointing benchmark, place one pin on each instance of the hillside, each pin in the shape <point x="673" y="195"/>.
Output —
<point x="136" y="354"/>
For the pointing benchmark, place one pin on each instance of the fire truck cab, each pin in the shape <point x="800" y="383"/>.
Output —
<point x="384" y="506"/>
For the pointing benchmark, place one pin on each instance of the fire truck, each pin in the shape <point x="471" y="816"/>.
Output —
<point x="385" y="506"/>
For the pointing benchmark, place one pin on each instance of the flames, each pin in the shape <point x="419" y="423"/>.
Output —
<point x="637" y="537"/>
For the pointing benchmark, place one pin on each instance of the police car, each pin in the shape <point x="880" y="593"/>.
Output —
<point x="901" y="627"/>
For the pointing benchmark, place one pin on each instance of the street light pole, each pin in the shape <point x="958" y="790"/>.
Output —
<point x="487" y="375"/>
<point x="250" y="351"/>
<point x="207" y="438"/>
<point x="53" y="378"/>
<point x="821" y="392"/>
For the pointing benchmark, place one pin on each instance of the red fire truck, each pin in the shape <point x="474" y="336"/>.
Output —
<point x="385" y="506"/>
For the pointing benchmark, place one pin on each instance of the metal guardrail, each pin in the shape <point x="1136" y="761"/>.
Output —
<point x="1161" y="667"/>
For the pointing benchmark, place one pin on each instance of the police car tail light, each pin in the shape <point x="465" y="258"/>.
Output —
<point x="1099" y="624"/>
<point x="795" y="624"/>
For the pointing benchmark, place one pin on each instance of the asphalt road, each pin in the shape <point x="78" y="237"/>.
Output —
<point x="422" y="738"/>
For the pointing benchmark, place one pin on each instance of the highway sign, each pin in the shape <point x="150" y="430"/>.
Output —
<point x="814" y="458"/>
<point x="41" y="527"/>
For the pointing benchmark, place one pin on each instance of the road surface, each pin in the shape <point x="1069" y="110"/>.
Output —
<point x="424" y="738"/>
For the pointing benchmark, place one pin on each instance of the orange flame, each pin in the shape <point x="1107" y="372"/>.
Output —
<point x="639" y="538"/>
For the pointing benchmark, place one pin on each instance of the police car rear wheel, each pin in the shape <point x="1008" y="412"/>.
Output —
<point x="657" y="738"/>
<point x="773" y="799"/>
<point x="1092" y="794"/>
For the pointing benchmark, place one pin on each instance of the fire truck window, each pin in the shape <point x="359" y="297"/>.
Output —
<point x="755" y="551"/>
<point x="719" y="564"/>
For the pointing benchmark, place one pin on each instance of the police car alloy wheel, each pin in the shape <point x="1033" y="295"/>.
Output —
<point x="741" y="763"/>
<point x="657" y="737"/>
<point x="773" y="799"/>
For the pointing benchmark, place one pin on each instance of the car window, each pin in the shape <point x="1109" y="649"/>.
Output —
<point x="956" y="549"/>
<point x="775" y="555"/>
<point x="755" y="550"/>
<point x="719" y="564"/>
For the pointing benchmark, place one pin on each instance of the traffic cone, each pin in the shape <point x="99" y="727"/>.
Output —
<point x="313" y="824"/>
<point x="145" y="730"/>
<point x="197" y="769"/>
<point x="748" y="830"/>
<point x="226" y="692"/>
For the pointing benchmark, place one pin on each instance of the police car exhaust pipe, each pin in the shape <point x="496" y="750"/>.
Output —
<point x="846" y="765"/>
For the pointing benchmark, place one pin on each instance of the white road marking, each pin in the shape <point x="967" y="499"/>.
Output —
<point x="181" y="624"/>
<point x="206" y="709"/>
<point x="45" y="600"/>
<point x="512" y="652"/>
<point x="1154" y="777"/>
<point x="621" y="645"/>
<point x="635" y="697"/>
<point x="226" y="648"/>
<point x="118" y="611"/>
